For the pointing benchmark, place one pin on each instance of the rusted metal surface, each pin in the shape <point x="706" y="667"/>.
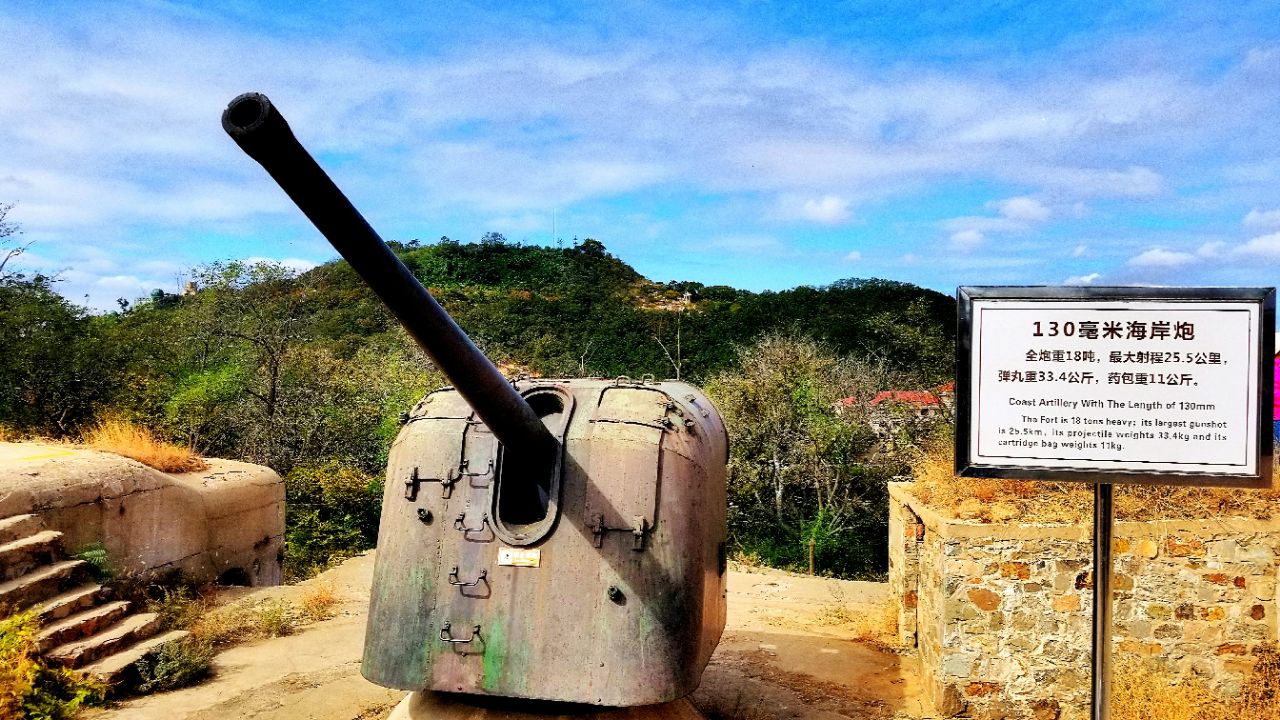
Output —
<point x="549" y="539"/>
<point x="607" y="617"/>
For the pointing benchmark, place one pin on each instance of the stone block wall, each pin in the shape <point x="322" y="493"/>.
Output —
<point x="1001" y="613"/>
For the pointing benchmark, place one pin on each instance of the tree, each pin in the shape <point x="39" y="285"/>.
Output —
<point x="55" y="366"/>
<point x="10" y="248"/>
<point x="807" y="471"/>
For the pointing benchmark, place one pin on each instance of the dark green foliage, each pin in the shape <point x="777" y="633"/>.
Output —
<point x="808" y="472"/>
<point x="292" y="371"/>
<point x="55" y="363"/>
<point x="95" y="556"/>
<point x="331" y="514"/>
<point x="176" y="664"/>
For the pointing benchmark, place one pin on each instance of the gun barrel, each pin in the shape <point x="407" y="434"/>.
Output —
<point x="261" y="131"/>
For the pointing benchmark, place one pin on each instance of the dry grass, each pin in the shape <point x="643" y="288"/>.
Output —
<point x="875" y="625"/>
<point x="991" y="500"/>
<point x="9" y="434"/>
<point x="1139" y="693"/>
<point x="242" y="621"/>
<point x="319" y="602"/>
<point x="748" y="562"/>
<point x="132" y="441"/>
<point x="1144" y="693"/>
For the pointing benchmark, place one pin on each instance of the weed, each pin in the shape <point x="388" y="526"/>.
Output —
<point x="319" y="602"/>
<point x="1260" y="697"/>
<point x="132" y="441"/>
<point x="178" y="607"/>
<point x="95" y="556"/>
<point x="273" y="618"/>
<point x="177" y="664"/>
<point x="745" y="561"/>
<point x="875" y="625"/>
<point x="1146" y="693"/>
<point x="245" y="621"/>
<point x="32" y="690"/>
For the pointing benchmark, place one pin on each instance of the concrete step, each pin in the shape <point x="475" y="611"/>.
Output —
<point x="19" y="526"/>
<point x="118" y="668"/>
<point x="41" y="583"/>
<point x="80" y="625"/>
<point x="130" y="630"/>
<point x="74" y="600"/>
<point x="21" y="556"/>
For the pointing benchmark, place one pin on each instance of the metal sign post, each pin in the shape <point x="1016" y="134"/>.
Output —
<point x="1163" y="386"/>
<point x="1101" y="657"/>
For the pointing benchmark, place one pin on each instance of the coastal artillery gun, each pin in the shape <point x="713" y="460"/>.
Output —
<point x="546" y="539"/>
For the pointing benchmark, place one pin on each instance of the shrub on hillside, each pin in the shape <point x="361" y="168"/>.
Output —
<point x="807" y="469"/>
<point x="332" y="514"/>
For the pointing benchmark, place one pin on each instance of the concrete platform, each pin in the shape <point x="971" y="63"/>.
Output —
<point x="444" y="706"/>
<point x="227" y="520"/>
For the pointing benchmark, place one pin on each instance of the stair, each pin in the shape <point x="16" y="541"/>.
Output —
<point x="18" y="557"/>
<point x="118" y="668"/>
<point x="122" y="634"/>
<point x="81" y="627"/>
<point x="19" y="526"/>
<point x="29" y="589"/>
<point x="74" y="600"/>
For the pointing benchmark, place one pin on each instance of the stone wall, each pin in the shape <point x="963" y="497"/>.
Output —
<point x="1001" y="613"/>
<point x="223" y="522"/>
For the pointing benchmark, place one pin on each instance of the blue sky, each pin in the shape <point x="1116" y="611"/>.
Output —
<point x="758" y="144"/>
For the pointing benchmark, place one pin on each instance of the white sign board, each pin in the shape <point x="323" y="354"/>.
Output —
<point x="1139" y="385"/>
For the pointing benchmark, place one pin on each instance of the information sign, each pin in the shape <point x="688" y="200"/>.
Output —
<point x="1156" y="385"/>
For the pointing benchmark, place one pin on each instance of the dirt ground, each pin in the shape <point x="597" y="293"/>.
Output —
<point x="791" y="649"/>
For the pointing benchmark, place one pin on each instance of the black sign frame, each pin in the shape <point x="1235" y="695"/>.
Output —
<point x="1264" y="298"/>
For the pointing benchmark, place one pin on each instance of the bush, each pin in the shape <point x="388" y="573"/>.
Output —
<point x="30" y="689"/>
<point x="178" y="607"/>
<point x="177" y="664"/>
<point x="807" y="469"/>
<point x="331" y="514"/>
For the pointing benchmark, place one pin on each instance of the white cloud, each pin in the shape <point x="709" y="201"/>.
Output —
<point x="1089" y="279"/>
<point x="296" y="265"/>
<point x="822" y="209"/>
<point x="1211" y="249"/>
<point x="1132" y="182"/>
<point x="967" y="239"/>
<point x="982" y="223"/>
<point x="1080" y="250"/>
<point x="1159" y="257"/>
<point x="828" y="210"/>
<point x="1262" y="218"/>
<point x="1263" y="246"/>
<point x="853" y="256"/>
<point x="1016" y="214"/>
<point x="1024" y="209"/>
